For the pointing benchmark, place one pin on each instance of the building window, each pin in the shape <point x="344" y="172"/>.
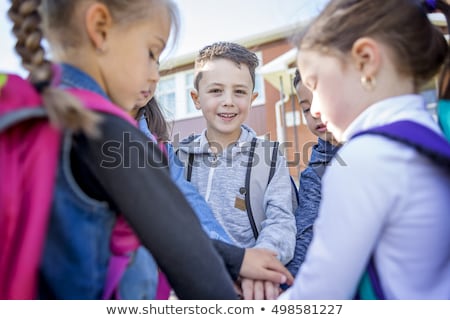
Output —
<point x="259" y="83"/>
<point x="189" y="85"/>
<point x="166" y="96"/>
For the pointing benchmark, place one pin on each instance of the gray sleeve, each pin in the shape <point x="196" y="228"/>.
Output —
<point x="278" y="229"/>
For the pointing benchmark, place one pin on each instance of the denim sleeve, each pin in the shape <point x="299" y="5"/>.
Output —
<point x="305" y="215"/>
<point x="195" y="199"/>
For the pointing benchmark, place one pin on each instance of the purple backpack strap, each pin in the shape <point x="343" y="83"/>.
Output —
<point x="373" y="276"/>
<point x="427" y="142"/>
<point x="423" y="139"/>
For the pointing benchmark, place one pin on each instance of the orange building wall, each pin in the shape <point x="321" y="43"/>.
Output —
<point x="298" y="153"/>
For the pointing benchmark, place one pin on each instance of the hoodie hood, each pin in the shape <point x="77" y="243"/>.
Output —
<point x="322" y="152"/>
<point x="199" y="144"/>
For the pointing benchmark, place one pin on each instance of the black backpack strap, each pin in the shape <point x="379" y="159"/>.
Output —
<point x="247" y="187"/>
<point x="189" y="167"/>
<point x="273" y="162"/>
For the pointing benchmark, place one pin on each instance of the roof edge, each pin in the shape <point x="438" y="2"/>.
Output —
<point x="284" y="32"/>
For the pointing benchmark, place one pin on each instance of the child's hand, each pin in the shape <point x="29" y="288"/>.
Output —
<point x="259" y="290"/>
<point x="262" y="264"/>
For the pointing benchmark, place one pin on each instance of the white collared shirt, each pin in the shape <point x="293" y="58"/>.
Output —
<point x="387" y="199"/>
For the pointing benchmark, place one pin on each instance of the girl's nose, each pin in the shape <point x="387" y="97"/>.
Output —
<point x="154" y="72"/>
<point x="315" y="112"/>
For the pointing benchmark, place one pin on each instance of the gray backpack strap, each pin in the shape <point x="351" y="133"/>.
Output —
<point x="11" y="118"/>
<point x="258" y="176"/>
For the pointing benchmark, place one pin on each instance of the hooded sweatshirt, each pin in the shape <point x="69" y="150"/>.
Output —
<point x="220" y="177"/>
<point x="309" y="199"/>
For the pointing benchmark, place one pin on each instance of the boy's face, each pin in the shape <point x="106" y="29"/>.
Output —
<point x="315" y="125"/>
<point x="225" y="94"/>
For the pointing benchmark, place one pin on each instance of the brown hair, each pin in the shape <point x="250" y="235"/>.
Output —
<point x="418" y="47"/>
<point x="444" y="79"/>
<point x="156" y="121"/>
<point x="61" y="28"/>
<point x="225" y="50"/>
<point x="63" y="109"/>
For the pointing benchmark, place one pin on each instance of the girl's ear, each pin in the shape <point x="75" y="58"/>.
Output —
<point x="194" y="96"/>
<point x="98" y="21"/>
<point x="366" y="55"/>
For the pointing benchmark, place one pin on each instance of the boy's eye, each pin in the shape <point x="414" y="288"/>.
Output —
<point x="241" y="92"/>
<point x="215" y="90"/>
<point x="305" y="105"/>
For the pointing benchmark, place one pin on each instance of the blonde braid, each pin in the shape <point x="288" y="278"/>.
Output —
<point x="64" y="110"/>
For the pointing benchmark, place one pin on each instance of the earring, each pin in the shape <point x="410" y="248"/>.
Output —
<point x="100" y="50"/>
<point x="368" y="82"/>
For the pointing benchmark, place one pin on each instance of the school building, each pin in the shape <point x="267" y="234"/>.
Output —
<point x="275" y="114"/>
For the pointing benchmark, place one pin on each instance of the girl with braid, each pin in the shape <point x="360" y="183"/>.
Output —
<point x="109" y="50"/>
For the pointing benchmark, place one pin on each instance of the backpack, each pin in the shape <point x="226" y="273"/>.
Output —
<point x="443" y="114"/>
<point x="25" y="200"/>
<point x="427" y="142"/>
<point x="257" y="178"/>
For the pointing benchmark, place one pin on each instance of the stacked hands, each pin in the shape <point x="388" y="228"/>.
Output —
<point x="261" y="275"/>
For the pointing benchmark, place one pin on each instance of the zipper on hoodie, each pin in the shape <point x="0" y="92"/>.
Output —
<point x="210" y="176"/>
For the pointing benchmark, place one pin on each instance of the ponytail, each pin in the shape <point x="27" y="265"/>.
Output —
<point x="156" y="122"/>
<point x="64" y="110"/>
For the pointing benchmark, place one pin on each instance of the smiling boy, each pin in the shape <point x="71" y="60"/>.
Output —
<point x="224" y="91"/>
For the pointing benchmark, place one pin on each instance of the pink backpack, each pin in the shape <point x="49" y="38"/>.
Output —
<point x="29" y="154"/>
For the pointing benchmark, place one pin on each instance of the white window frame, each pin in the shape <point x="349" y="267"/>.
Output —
<point x="167" y="110"/>
<point x="259" y="81"/>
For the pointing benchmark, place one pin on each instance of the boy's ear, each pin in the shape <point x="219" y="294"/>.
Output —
<point x="98" y="21"/>
<point x="254" y="96"/>
<point x="366" y="55"/>
<point x="194" y="96"/>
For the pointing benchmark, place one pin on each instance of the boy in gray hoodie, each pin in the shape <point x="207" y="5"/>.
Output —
<point x="224" y="83"/>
